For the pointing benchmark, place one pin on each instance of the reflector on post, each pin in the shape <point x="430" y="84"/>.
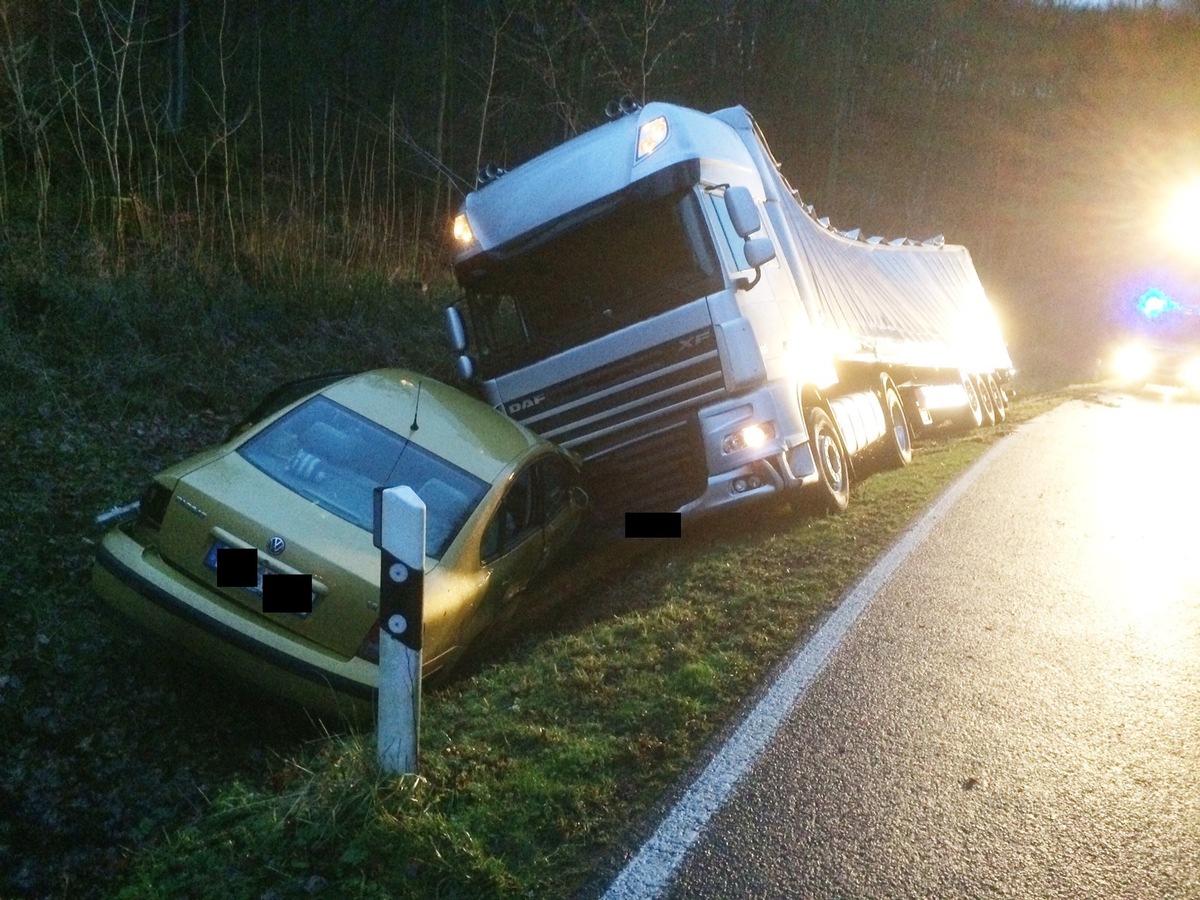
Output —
<point x="400" y="535"/>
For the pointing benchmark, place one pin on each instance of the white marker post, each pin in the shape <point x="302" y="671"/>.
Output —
<point x="400" y="535"/>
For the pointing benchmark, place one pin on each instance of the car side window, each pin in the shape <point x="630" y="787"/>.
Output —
<point x="556" y="482"/>
<point x="519" y="516"/>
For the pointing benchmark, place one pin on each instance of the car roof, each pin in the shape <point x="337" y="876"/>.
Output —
<point x="457" y="427"/>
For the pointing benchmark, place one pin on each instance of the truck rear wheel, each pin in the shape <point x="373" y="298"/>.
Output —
<point x="898" y="440"/>
<point x="832" y="465"/>
<point x="999" y="401"/>
<point x="974" y="413"/>
<point x="985" y="401"/>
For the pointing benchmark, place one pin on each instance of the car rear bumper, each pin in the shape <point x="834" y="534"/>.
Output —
<point x="138" y="583"/>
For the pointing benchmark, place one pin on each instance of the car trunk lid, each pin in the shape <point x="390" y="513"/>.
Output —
<point x="230" y="503"/>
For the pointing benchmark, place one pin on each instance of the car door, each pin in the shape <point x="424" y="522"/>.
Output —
<point x="555" y="480"/>
<point x="511" y="550"/>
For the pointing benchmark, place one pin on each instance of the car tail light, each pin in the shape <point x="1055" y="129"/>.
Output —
<point x="153" y="506"/>
<point x="369" y="648"/>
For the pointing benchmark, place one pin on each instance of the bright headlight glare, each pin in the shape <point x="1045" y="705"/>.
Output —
<point x="462" y="230"/>
<point x="944" y="396"/>
<point x="1132" y="363"/>
<point x="1190" y="374"/>
<point x="651" y="135"/>
<point x="752" y="437"/>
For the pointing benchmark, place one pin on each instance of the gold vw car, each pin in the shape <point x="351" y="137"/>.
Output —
<point x="297" y="487"/>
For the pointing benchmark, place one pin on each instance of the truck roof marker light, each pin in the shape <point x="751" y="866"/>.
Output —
<point x="651" y="136"/>
<point x="623" y="106"/>
<point x="487" y="174"/>
<point x="463" y="235"/>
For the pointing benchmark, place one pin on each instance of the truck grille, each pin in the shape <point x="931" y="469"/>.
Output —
<point x="658" y="472"/>
<point x="634" y="422"/>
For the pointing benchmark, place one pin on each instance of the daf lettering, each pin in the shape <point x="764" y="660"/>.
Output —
<point x="528" y="403"/>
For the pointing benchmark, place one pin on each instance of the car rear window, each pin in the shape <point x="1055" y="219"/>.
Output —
<point x="336" y="458"/>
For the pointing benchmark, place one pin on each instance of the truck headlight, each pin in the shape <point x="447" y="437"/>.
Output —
<point x="1133" y="362"/>
<point x="463" y="235"/>
<point x="752" y="437"/>
<point x="651" y="135"/>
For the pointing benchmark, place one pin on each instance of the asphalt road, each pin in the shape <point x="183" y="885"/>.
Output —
<point x="1016" y="711"/>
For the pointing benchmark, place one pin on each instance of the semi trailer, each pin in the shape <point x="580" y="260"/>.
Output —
<point x="655" y="296"/>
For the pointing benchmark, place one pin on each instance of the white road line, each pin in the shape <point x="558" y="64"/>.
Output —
<point x="651" y="870"/>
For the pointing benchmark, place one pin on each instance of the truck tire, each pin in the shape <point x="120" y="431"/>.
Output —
<point x="898" y="442"/>
<point x="973" y="417"/>
<point x="832" y="465"/>
<point x="999" y="401"/>
<point x="985" y="401"/>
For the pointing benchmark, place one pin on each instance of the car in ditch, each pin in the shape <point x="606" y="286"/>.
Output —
<point x="296" y="484"/>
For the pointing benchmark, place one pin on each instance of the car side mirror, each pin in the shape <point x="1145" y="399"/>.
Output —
<point x="456" y="329"/>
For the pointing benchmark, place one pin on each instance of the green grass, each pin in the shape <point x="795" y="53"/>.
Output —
<point x="127" y="773"/>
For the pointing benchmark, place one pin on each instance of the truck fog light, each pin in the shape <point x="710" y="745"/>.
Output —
<point x="739" y="485"/>
<point x="752" y="436"/>
<point x="755" y="482"/>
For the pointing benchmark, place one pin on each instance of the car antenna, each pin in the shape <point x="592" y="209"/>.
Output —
<point x="416" y="408"/>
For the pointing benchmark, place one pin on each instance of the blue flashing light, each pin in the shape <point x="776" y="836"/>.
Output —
<point x="1153" y="303"/>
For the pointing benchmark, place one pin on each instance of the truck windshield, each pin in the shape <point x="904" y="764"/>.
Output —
<point x="635" y="261"/>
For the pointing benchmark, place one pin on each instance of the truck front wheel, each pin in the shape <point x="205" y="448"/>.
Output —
<point x="832" y="465"/>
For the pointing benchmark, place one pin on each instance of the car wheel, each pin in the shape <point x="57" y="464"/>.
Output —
<point x="899" y="439"/>
<point x="832" y="465"/>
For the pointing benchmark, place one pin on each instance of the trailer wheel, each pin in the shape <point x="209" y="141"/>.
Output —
<point x="899" y="441"/>
<point x="999" y="401"/>
<point x="974" y="414"/>
<point x="985" y="401"/>
<point x="832" y="464"/>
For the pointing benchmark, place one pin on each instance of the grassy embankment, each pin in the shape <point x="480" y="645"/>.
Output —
<point x="125" y="768"/>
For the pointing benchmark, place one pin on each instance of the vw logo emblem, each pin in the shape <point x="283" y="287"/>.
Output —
<point x="276" y="545"/>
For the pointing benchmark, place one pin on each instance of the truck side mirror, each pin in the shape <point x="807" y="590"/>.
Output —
<point x="464" y="367"/>
<point x="456" y="331"/>
<point x="742" y="211"/>
<point x="759" y="252"/>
